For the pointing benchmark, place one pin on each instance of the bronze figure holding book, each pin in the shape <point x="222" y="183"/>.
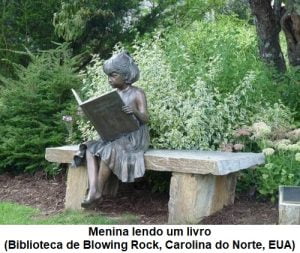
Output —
<point x="123" y="153"/>
<point x="106" y="115"/>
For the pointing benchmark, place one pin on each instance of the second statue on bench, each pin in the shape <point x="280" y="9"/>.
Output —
<point x="124" y="156"/>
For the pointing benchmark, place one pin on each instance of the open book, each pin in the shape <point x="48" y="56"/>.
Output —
<point x="106" y="115"/>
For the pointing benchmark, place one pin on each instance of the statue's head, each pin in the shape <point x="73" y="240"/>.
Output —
<point x="124" y="65"/>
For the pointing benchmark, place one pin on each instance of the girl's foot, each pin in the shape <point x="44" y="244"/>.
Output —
<point x="89" y="202"/>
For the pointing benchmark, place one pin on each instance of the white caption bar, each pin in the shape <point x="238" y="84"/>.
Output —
<point x="150" y="239"/>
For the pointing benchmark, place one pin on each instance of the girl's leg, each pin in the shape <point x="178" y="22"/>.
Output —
<point x="104" y="174"/>
<point x="93" y="172"/>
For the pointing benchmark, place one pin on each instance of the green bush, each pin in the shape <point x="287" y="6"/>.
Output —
<point x="202" y="83"/>
<point x="32" y="107"/>
<point x="222" y="51"/>
<point x="282" y="149"/>
<point x="198" y="117"/>
<point x="281" y="169"/>
<point x="290" y="90"/>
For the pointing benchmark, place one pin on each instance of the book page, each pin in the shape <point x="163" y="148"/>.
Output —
<point x="76" y="97"/>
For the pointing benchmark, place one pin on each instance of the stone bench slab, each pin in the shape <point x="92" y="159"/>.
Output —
<point x="183" y="161"/>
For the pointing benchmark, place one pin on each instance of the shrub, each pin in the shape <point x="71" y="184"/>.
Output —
<point x="198" y="117"/>
<point x="32" y="107"/>
<point x="199" y="86"/>
<point x="280" y="147"/>
<point x="222" y="51"/>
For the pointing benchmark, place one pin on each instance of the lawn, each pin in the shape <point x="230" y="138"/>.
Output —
<point x="12" y="213"/>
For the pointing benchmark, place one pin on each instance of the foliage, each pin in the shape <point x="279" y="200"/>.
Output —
<point x="222" y="56"/>
<point x="93" y="26"/>
<point x="197" y="9"/>
<point x="215" y="51"/>
<point x="190" y="10"/>
<point x="290" y="90"/>
<point x="32" y="107"/>
<point x="280" y="146"/>
<point x="238" y="7"/>
<point x="280" y="169"/>
<point x="24" y="23"/>
<point x="195" y="118"/>
<point x="205" y="81"/>
<point x="199" y="86"/>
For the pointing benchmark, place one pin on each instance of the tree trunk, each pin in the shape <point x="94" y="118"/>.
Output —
<point x="290" y="24"/>
<point x="268" y="28"/>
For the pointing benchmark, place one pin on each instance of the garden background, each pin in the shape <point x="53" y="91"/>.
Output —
<point x="210" y="81"/>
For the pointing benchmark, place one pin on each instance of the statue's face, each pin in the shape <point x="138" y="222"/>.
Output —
<point x="116" y="80"/>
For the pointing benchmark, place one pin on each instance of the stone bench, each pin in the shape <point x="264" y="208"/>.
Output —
<point x="202" y="182"/>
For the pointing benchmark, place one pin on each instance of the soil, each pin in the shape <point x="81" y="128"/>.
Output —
<point x="136" y="198"/>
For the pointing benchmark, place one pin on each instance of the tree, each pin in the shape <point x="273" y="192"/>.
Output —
<point x="92" y="25"/>
<point x="271" y="17"/>
<point x="290" y="23"/>
<point x="32" y="107"/>
<point x="268" y="28"/>
<point x="25" y="23"/>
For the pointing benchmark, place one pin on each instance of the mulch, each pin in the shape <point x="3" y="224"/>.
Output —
<point x="48" y="194"/>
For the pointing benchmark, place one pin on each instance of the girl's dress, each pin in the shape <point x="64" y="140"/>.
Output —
<point x="124" y="156"/>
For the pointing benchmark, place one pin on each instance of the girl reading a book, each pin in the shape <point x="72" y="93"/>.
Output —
<point x="124" y="156"/>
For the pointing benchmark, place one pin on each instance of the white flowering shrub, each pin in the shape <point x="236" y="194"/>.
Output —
<point x="276" y="116"/>
<point x="281" y="148"/>
<point x="261" y="130"/>
<point x="268" y="151"/>
<point x="197" y="117"/>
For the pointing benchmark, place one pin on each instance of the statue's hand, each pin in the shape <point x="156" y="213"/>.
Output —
<point x="128" y="109"/>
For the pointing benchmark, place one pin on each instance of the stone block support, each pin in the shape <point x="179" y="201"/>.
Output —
<point x="193" y="197"/>
<point x="77" y="186"/>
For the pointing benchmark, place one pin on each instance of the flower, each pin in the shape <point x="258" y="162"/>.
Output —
<point x="293" y="147"/>
<point x="282" y="141"/>
<point x="268" y="151"/>
<point x="294" y="135"/>
<point x="261" y="129"/>
<point x="269" y="143"/>
<point x="67" y="118"/>
<point x="297" y="157"/>
<point x="238" y="147"/>
<point x="282" y="146"/>
<point x="226" y="147"/>
<point x="242" y="132"/>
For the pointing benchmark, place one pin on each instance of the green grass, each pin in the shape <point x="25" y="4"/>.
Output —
<point x="16" y="214"/>
<point x="12" y="213"/>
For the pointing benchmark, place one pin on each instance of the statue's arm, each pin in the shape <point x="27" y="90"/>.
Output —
<point x="142" y="111"/>
<point x="139" y="109"/>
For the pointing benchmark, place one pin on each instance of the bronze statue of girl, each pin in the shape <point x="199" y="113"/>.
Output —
<point x="124" y="156"/>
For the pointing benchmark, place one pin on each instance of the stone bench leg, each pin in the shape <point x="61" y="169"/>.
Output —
<point x="77" y="185"/>
<point x="192" y="197"/>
